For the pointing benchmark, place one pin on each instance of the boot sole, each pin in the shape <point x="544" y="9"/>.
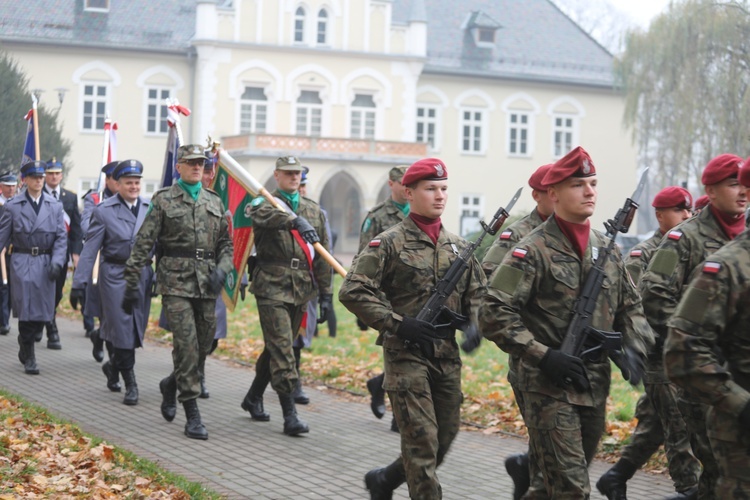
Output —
<point x="202" y="437"/>
<point x="54" y="347"/>
<point x="130" y="403"/>
<point x="31" y="372"/>
<point x="297" y="433"/>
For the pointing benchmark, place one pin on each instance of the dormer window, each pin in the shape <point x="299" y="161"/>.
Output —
<point x="96" y="5"/>
<point x="486" y="35"/>
<point x="482" y="28"/>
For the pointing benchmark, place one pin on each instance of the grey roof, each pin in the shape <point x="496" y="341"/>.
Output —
<point x="536" y="41"/>
<point x="130" y="24"/>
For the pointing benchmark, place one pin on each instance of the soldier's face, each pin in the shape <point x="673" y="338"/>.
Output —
<point x="543" y="203"/>
<point x="191" y="171"/>
<point x="111" y="184"/>
<point x="129" y="188"/>
<point x="53" y="179"/>
<point x="728" y="196"/>
<point x="428" y="198"/>
<point x="34" y="185"/>
<point x="398" y="193"/>
<point x="208" y="176"/>
<point x="669" y="218"/>
<point x="288" y="180"/>
<point x="574" y="198"/>
<point x="8" y="191"/>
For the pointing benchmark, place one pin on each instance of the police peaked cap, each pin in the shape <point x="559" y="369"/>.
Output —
<point x="33" y="169"/>
<point x="109" y="168"/>
<point x="128" y="168"/>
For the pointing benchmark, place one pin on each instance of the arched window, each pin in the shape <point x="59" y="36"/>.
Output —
<point x="322" y="27"/>
<point x="299" y="25"/>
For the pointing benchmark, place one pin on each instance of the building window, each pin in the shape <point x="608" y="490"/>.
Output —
<point x="470" y="211"/>
<point x="96" y="5"/>
<point x="322" y="27"/>
<point x="309" y="113"/>
<point x="85" y="184"/>
<point x="427" y="125"/>
<point x="253" y="111"/>
<point x="156" y="110"/>
<point x="299" y="25"/>
<point x="150" y="187"/>
<point x="563" y="134"/>
<point x="472" y="123"/>
<point x="94" y="106"/>
<point x="486" y="35"/>
<point x="518" y="134"/>
<point x="363" y="117"/>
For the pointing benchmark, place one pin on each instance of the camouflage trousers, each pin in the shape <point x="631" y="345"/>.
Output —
<point x="563" y="439"/>
<point x="193" y="323"/>
<point x="731" y="447"/>
<point x="648" y="435"/>
<point x="695" y="419"/>
<point x="280" y="322"/>
<point x="536" y="488"/>
<point x="426" y="397"/>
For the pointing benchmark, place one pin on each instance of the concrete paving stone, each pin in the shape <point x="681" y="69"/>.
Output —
<point x="246" y="459"/>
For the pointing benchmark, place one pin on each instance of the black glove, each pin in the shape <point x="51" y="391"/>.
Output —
<point x="326" y="306"/>
<point x="745" y="417"/>
<point x="243" y="290"/>
<point x="415" y="330"/>
<point x="216" y="280"/>
<point x="54" y="271"/>
<point x="129" y="300"/>
<point x="77" y="296"/>
<point x="361" y="325"/>
<point x="631" y="364"/>
<point x="306" y="230"/>
<point x="472" y="338"/>
<point x="563" y="367"/>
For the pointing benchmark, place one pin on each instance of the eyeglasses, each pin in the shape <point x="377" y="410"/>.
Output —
<point x="194" y="162"/>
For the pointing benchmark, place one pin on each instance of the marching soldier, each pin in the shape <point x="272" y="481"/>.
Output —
<point x="382" y="216"/>
<point x="389" y="283"/>
<point x="680" y="252"/>
<point x="188" y="222"/>
<point x="8" y="186"/>
<point x="287" y="276"/>
<point x="709" y="323"/>
<point x="33" y="223"/>
<point x="526" y="313"/>
<point x="659" y="418"/>
<point x="114" y="224"/>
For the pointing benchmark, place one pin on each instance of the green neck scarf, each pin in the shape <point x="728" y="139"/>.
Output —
<point x="192" y="189"/>
<point x="404" y="207"/>
<point x="291" y="198"/>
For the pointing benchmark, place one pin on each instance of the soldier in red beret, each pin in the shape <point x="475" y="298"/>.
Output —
<point x="391" y="279"/>
<point x="525" y="312"/>
<point x="700" y="203"/>
<point x="680" y="252"/>
<point x="657" y="412"/>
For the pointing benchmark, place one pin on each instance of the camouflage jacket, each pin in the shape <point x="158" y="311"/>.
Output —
<point x="383" y="216"/>
<point x="508" y="239"/>
<point x="274" y="276"/>
<point x="393" y="276"/>
<point x="181" y="224"/>
<point x="640" y="255"/>
<point x="681" y="250"/>
<point x="530" y="300"/>
<point x="713" y="313"/>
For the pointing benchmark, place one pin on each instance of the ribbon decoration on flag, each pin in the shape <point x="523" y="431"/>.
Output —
<point x="174" y="140"/>
<point x="31" y="145"/>
<point x="109" y="152"/>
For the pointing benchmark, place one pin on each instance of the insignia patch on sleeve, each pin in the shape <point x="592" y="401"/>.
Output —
<point x="520" y="253"/>
<point x="505" y="235"/>
<point x="366" y="225"/>
<point x="636" y="253"/>
<point x="374" y="243"/>
<point x="711" y="267"/>
<point x="674" y="235"/>
<point x="257" y="201"/>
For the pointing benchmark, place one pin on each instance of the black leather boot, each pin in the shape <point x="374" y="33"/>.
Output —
<point x="131" y="388"/>
<point x="613" y="483"/>
<point x="113" y="377"/>
<point x="689" y="494"/>
<point x="194" y="428"/>
<point x="293" y="426"/>
<point x="253" y="401"/>
<point x="517" y="467"/>
<point x="98" y="350"/>
<point x="27" y="357"/>
<point x="299" y="395"/>
<point x="377" y="395"/>
<point x="168" y="388"/>
<point x="204" y="392"/>
<point x="382" y="482"/>
<point x="53" y="336"/>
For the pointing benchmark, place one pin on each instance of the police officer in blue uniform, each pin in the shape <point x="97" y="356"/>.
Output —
<point x="8" y="186"/>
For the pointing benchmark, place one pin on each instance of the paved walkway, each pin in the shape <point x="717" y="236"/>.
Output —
<point x="246" y="459"/>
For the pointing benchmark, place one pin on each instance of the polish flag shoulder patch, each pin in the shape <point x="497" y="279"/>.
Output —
<point x="505" y="235"/>
<point x="636" y="253"/>
<point x="374" y="243"/>
<point x="520" y="253"/>
<point x="674" y="235"/>
<point x="711" y="267"/>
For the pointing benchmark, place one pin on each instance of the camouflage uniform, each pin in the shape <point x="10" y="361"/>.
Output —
<point x="283" y="284"/>
<point x="681" y="251"/>
<point x="659" y="418"/>
<point x="390" y="278"/>
<point x="382" y="216"/>
<point x="713" y="317"/>
<point x="195" y="240"/>
<point x="526" y="312"/>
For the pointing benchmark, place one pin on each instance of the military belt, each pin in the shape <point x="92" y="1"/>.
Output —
<point x="112" y="260"/>
<point x="291" y="264"/>
<point x="198" y="254"/>
<point x="32" y="251"/>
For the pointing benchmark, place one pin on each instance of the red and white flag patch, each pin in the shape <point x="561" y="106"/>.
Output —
<point x="711" y="267"/>
<point x="374" y="243"/>
<point x="505" y="235"/>
<point x="636" y="253"/>
<point x="674" y="235"/>
<point x="520" y="253"/>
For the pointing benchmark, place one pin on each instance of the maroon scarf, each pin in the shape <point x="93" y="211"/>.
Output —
<point x="431" y="227"/>
<point x="730" y="224"/>
<point x="577" y="234"/>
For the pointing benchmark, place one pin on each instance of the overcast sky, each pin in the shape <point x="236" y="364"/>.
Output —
<point x="642" y="11"/>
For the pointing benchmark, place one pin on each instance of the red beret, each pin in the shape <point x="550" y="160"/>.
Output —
<point x="577" y="163"/>
<point x="720" y="168"/>
<point x="535" y="181"/>
<point x="745" y="173"/>
<point x="431" y="169"/>
<point x="701" y="202"/>
<point x="673" y="196"/>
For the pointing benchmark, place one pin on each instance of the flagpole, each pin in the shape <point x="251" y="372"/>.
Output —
<point x="100" y="189"/>
<point x="35" y="118"/>
<point x="249" y="183"/>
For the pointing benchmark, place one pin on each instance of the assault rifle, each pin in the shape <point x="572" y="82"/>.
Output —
<point x="582" y="340"/>
<point x="434" y="311"/>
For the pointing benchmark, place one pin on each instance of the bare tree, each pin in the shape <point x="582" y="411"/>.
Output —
<point x="604" y="22"/>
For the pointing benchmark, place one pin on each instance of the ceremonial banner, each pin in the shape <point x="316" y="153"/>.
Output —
<point x="169" y="173"/>
<point x="109" y="152"/>
<point x="29" y="147"/>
